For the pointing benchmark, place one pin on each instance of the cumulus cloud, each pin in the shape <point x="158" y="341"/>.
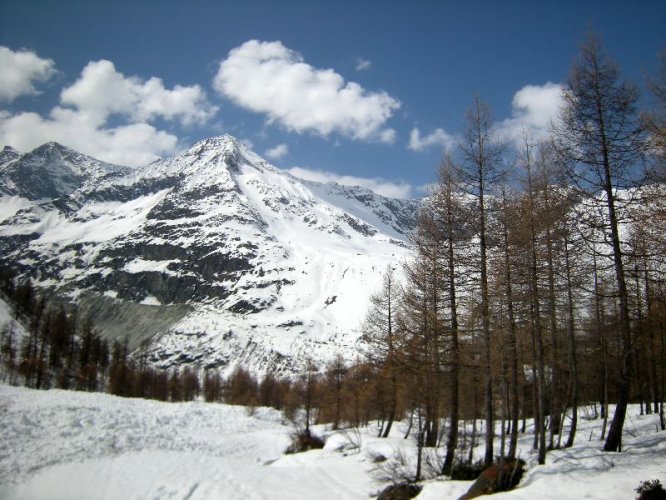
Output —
<point x="101" y="93"/>
<point x="438" y="137"/>
<point x="363" y="64"/>
<point x="533" y="109"/>
<point x="269" y="78"/>
<point x="380" y="186"/>
<point x="20" y="70"/>
<point x="279" y="151"/>
<point x="131" y="144"/>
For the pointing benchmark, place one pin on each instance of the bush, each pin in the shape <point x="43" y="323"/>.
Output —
<point x="402" y="491"/>
<point x="304" y="440"/>
<point x="352" y="441"/>
<point x="651" y="490"/>
<point x="397" y="469"/>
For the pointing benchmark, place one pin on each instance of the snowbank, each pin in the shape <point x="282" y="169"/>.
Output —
<point x="71" y="445"/>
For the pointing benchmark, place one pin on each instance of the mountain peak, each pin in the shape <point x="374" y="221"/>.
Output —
<point x="50" y="171"/>
<point x="223" y="150"/>
<point x="53" y="147"/>
<point x="8" y="154"/>
<point x="220" y="143"/>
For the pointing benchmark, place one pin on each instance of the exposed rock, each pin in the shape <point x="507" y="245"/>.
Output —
<point x="498" y="477"/>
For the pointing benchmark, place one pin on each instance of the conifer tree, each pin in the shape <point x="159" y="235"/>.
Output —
<point x="381" y="334"/>
<point x="600" y="139"/>
<point x="481" y="157"/>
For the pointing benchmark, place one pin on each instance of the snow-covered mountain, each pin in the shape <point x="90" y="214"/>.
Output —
<point x="213" y="257"/>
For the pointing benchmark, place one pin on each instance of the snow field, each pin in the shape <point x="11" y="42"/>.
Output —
<point x="70" y="445"/>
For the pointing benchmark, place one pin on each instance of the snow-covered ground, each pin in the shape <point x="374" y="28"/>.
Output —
<point x="69" y="445"/>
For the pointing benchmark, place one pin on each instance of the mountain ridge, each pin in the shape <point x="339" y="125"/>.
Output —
<point x="246" y="262"/>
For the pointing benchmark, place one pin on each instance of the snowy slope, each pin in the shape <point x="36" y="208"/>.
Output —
<point x="232" y="259"/>
<point x="69" y="445"/>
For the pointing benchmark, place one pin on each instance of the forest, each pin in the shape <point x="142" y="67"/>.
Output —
<point x="537" y="281"/>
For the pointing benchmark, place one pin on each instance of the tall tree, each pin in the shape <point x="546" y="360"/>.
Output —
<point x="381" y="334"/>
<point x="422" y="321"/>
<point x="481" y="155"/>
<point x="535" y="307"/>
<point x="571" y="337"/>
<point x="451" y="211"/>
<point x="599" y="138"/>
<point x="506" y="213"/>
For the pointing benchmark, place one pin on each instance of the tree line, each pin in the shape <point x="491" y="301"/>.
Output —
<point x="54" y="348"/>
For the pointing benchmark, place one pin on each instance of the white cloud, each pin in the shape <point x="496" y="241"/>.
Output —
<point x="387" y="136"/>
<point x="81" y="121"/>
<point x="131" y="144"/>
<point x="267" y="77"/>
<point x="380" y="186"/>
<point x="102" y="91"/>
<point x="438" y="137"/>
<point x="279" y="151"/>
<point x="20" y="70"/>
<point x="363" y="64"/>
<point x="533" y="109"/>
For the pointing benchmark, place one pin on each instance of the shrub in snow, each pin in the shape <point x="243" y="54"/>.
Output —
<point x="304" y="440"/>
<point x="651" y="490"/>
<point x="398" y="469"/>
<point x="351" y="441"/>
<point x="402" y="491"/>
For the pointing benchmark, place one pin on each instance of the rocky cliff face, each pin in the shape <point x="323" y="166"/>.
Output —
<point x="213" y="257"/>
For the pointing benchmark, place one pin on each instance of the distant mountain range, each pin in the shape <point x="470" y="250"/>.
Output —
<point x="211" y="258"/>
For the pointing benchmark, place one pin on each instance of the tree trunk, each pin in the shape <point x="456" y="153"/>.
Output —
<point x="573" y="365"/>
<point x="663" y="370"/>
<point x="392" y="403"/>
<point x="513" y="348"/>
<point x="555" y="350"/>
<point x="614" y="438"/>
<point x="452" y="441"/>
<point x="485" y="316"/>
<point x="536" y="326"/>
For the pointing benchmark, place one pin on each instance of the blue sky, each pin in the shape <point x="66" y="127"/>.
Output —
<point x="366" y="92"/>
